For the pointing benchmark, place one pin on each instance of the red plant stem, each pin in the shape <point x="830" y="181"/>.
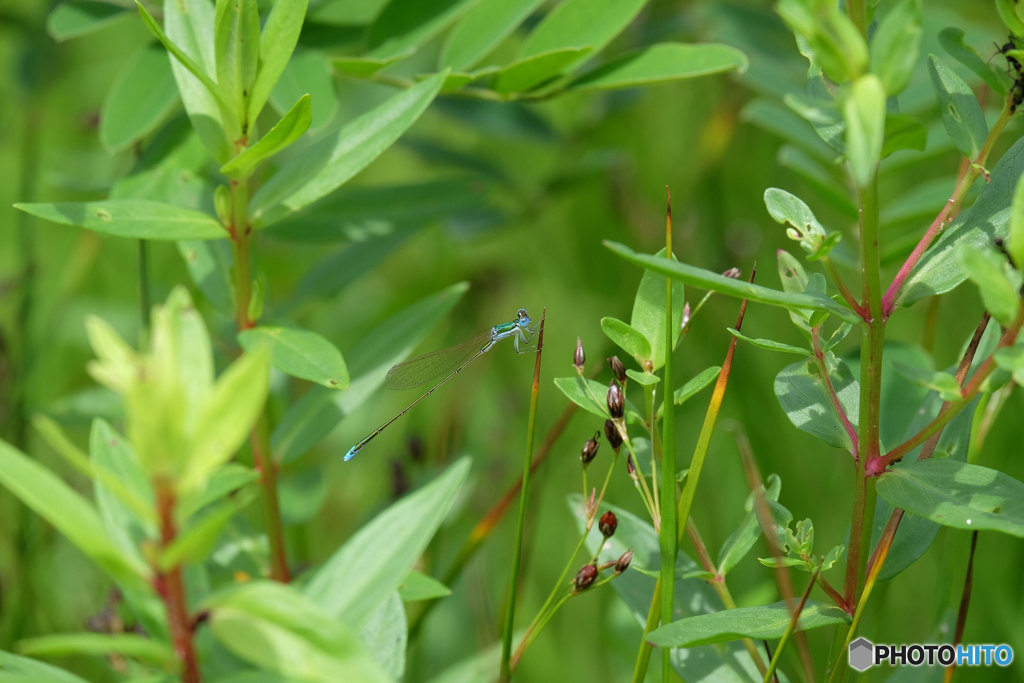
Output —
<point x="965" y="603"/>
<point x="171" y="587"/>
<point x="265" y="465"/>
<point x="851" y="431"/>
<point x="841" y="286"/>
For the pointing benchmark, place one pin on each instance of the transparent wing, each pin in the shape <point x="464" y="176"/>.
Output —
<point x="433" y="366"/>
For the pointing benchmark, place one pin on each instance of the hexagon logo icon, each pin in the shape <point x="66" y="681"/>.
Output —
<point x="861" y="655"/>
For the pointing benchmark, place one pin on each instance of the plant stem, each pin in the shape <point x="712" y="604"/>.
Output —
<point x="517" y="548"/>
<point x="872" y="341"/>
<point x="667" y="537"/>
<point x="965" y="602"/>
<point x="819" y="356"/>
<point x="171" y="587"/>
<point x="239" y="229"/>
<point x="267" y="468"/>
<point x="643" y="656"/>
<point x="841" y="286"/>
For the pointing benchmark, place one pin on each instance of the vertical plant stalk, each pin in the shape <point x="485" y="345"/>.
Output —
<point x="791" y="628"/>
<point x="240" y="230"/>
<point x="170" y="585"/>
<point x="819" y="357"/>
<point x="872" y="340"/>
<point x="668" y="535"/>
<point x="517" y="548"/>
<point x="965" y="603"/>
<point x="145" y="304"/>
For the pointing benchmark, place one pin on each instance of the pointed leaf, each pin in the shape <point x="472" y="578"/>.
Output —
<point x="131" y="218"/>
<point x="661" y="63"/>
<point x="286" y="131"/>
<point x="575" y="23"/>
<point x="529" y="72"/>
<point x="277" y="43"/>
<point x="73" y="19"/>
<point x="417" y="586"/>
<point x="300" y="353"/>
<point x="864" y="114"/>
<point x="141" y="97"/>
<point x="961" y="113"/>
<point x="648" y="315"/>
<point x="760" y="623"/>
<point x="404" y="25"/>
<point x="895" y="46"/>
<point x="770" y="344"/>
<point x="481" y="30"/>
<point x="952" y="41"/>
<point x="76" y="644"/>
<point x="802" y="395"/>
<point x="627" y="337"/>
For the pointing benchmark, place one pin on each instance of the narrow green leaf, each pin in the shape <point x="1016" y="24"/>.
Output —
<point x="141" y="97"/>
<point x="385" y="635"/>
<point x="802" y="394"/>
<point x="627" y="337"/>
<point x="228" y="44"/>
<point x="405" y="25"/>
<point x="136" y="218"/>
<point x="307" y="72"/>
<point x="952" y="41"/>
<point x="300" y="353"/>
<point x="229" y="480"/>
<point x="227" y="416"/>
<point x="324" y="167"/>
<point x="194" y="544"/>
<point x="961" y="113"/>
<point x="957" y="495"/>
<point x="273" y="626"/>
<point x="481" y="30"/>
<point x="706" y="279"/>
<point x="770" y="344"/>
<point x="743" y="538"/>
<point x="74" y="644"/>
<point x="72" y="515"/>
<point x="830" y="38"/>
<point x="416" y="587"/>
<point x="642" y="378"/>
<point x="648" y="316"/>
<point x="125" y="526"/>
<point x="209" y="264"/>
<point x="1011" y="360"/>
<point x="364" y="67"/>
<point x="581" y="22"/>
<point x="373" y="563"/>
<point x="695" y="385"/>
<point x="990" y="273"/>
<point x="895" y="46"/>
<point x="277" y="43"/>
<point x="903" y="132"/>
<point x="661" y="63"/>
<point x="25" y="670"/>
<point x="286" y="131"/>
<point x="189" y="25"/>
<point x="760" y="623"/>
<point x="73" y="19"/>
<point x="1015" y="239"/>
<point x="864" y="113"/>
<point x="942" y="382"/>
<point x="529" y="72"/>
<point x="989" y="217"/>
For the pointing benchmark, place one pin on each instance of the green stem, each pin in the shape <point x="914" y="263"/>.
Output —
<point x="517" y="549"/>
<point x="872" y="340"/>
<point x="667" y="537"/>
<point x="643" y="656"/>
<point x="170" y="585"/>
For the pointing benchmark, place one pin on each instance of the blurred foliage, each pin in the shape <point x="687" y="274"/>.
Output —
<point x="513" y="198"/>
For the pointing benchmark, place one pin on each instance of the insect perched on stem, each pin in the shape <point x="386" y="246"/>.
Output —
<point x="441" y="365"/>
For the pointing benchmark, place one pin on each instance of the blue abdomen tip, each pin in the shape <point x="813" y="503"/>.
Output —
<point x="351" y="453"/>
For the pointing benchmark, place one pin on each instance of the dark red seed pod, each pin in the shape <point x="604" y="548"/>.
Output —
<point x="616" y="401"/>
<point x="612" y="434"/>
<point x="579" y="359"/>
<point x="618" y="369"/>
<point x="589" y="450"/>
<point x="608" y="523"/>
<point x="585" y="577"/>
<point x="623" y="562"/>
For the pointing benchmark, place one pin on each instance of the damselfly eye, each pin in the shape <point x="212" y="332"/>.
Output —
<point x="522" y="313"/>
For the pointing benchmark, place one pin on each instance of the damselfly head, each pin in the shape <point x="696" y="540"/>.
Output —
<point x="523" y="317"/>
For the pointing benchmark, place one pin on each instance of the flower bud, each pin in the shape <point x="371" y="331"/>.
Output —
<point x="616" y="401"/>
<point x="585" y="577"/>
<point x="623" y="562"/>
<point x="612" y="434"/>
<point x="589" y="449"/>
<point x="686" y="317"/>
<point x="579" y="359"/>
<point x="733" y="273"/>
<point x="630" y="467"/>
<point x="618" y="369"/>
<point x="607" y="524"/>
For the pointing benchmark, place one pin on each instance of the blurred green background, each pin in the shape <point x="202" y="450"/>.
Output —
<point x="548" y="182"/>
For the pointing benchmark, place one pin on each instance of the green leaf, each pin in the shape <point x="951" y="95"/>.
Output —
<point x="742" y="539"/>
<point x="286" y="131"/>
<point x="706" y="279"/>
<point x="835" y="44"/>
<point x="72" y="515"/>
<point x="952" y="41"/>
<point x="760" y="623"/>
<point x="1015" y="239"/>
<point x="405" y="25"/>
<point x="364" y="67"/>
<point x="194" y="544"/>
<point x="803" y="396"/>
<point x="573" y="388"/>
<point x="126" y="644"/>
<point x="416" y="587"/>
<point x="593" y="23"/>
<point x="481" y="30"/>
<point x="73" y="19"/>
<point x="939" y="270"/>
<point x="529" y="72"/>
<point x="323" y="167"/>
<point x="648" y="315"/>
<point x="895" y="46"/>
<point x="209" y="264"/>
<point x="788" y="209"/>
<point x="275" y="627"/>
<point x="374" y="561"/>
<point x="988" y="271"/>
<point x="627" y="338"/>
<point x="864" y="113"/>
<point x="130" y="218"/>
<point x="229" y="480"/>
<point x="1011" y="360"/>
<point x="642" y="378"/>
<point x="228" y="414"/>
<point x="277" y="43"/>
<point x="770" y="344"/>
<point x="957" y="495"/>
<point x="695" y="385"/>
<point x="15" y="669"/>
<point x="903" y="132"/>
<point x="141" y="97"/>
<point x="236" y="40"/>
<point x="300" y="353"/>
<point x="189" y="38"/>
<point x="961" y="113"/>
<point x="661" y="63"/>
<point x="385" y="636"/>
<point x="125" y="526"/>
<point x="942" y="382"/>
<point x="307" y="72"/>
